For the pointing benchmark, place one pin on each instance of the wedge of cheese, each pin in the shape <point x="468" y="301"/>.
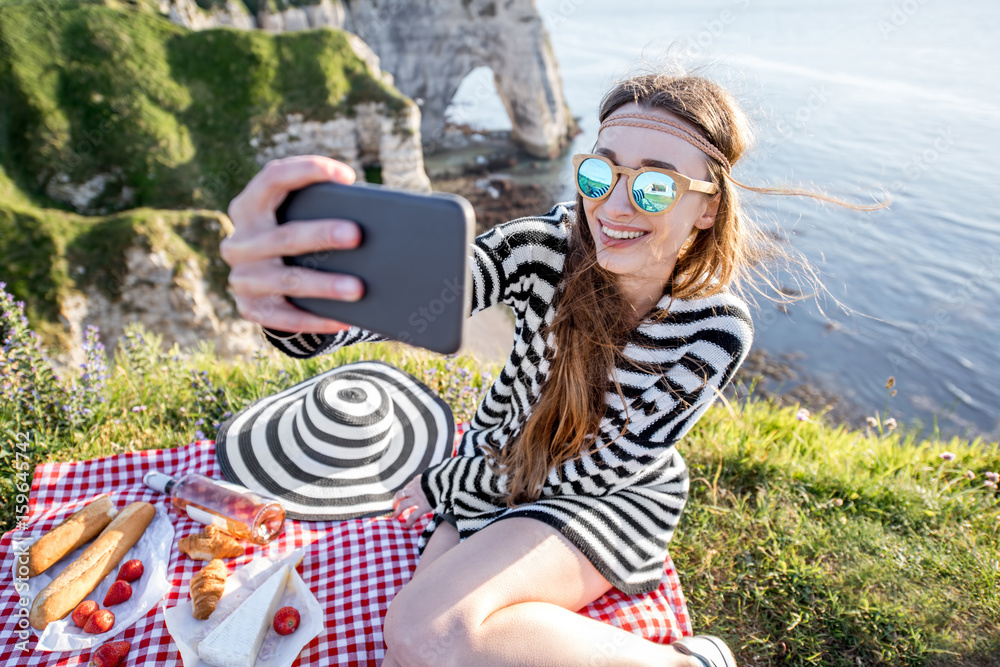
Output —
<point x="236" y="641"/>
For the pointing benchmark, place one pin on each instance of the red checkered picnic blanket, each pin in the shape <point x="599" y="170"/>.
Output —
<point x="354" y="568"/>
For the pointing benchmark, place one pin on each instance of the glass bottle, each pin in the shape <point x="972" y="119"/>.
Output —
<point x="232" y="508"/>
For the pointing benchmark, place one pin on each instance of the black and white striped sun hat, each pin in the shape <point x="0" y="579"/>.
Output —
<point x="339" y="445"/>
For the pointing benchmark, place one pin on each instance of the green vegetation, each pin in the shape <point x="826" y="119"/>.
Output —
<point x="802" y="544"/>
<point x="812" y="545"/>
<point x="98" y="89"/>
<point x="49" y="253"/>
<point x="117" y="89"/>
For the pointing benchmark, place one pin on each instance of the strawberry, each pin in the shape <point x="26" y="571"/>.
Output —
<point x="100" y="621"/>
<point x="118" y="593"/>
<point x="111" y="654"/>
<point x="83" y="611"/>
<point x="286" y="621"/>
<point x="130" y="571"/>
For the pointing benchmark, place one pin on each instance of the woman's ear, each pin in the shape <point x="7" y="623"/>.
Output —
<point x="707" y="218"/>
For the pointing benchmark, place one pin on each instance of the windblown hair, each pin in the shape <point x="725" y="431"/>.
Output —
<point x="594" y="317"/>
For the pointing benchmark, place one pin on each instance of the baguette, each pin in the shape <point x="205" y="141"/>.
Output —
<point x="84" y="574"/>
<point x="70" y="535"/>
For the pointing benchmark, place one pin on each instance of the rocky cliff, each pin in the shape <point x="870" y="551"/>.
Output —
<point x="115" y="107"/>
<point x="429" y="46"/>
<point x="123" y="136"/>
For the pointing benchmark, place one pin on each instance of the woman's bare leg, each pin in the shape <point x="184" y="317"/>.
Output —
<point x="444" y="537"/>
<point x="509" y="595"/>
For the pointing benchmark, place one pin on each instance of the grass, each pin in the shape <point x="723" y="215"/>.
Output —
<point x="809" y="544"/>
<point x="802" y="543"/>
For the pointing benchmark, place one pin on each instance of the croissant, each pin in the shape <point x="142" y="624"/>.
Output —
<point x="206" y="588"/>
<point x="211" y="543"/>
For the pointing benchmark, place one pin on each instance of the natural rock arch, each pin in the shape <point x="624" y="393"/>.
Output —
<point x="429" y="47"/>
<point x="477" y="102"/>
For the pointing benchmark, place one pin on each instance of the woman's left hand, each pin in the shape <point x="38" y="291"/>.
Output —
<point x="410" y="498"/>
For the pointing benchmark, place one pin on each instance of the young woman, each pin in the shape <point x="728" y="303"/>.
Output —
<point x="568" y="482"/>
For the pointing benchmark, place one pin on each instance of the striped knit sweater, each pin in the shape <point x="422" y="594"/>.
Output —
<point x="619" y="504"/>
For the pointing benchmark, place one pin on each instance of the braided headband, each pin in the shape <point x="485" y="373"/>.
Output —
<point x="670" y="127"/>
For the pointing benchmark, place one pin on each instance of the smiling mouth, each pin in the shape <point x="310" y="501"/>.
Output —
<point x="616" y="234"/>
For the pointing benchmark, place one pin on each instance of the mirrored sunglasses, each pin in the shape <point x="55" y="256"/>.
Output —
<point x="652" y="190"/>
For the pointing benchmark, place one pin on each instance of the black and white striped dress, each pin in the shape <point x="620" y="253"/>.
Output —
<point x="620" y="504"/>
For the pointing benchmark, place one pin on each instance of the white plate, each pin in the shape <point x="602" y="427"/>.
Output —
<point x="277" y="650"/>
<point x="153" y="549"/>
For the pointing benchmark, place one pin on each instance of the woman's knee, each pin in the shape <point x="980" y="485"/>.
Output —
<point x="439" y="616"/>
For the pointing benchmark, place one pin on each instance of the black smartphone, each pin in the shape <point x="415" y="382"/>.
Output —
<point x="413" y="260"/>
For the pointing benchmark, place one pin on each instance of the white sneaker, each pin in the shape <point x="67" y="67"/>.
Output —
<point x="711" y="651"/>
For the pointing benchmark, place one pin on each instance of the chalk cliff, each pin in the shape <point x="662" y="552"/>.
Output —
<point x="429" y="46"/>
<point x="169" y="278"/>
<point x="124" y="136"/>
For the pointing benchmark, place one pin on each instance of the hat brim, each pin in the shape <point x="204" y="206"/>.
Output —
<point x="261" y="448"/>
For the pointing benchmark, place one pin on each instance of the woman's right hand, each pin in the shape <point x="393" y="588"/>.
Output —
<point x="258" y="277"/>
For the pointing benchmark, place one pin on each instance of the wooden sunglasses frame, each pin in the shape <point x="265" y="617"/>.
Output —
<point x="683" y="183"/>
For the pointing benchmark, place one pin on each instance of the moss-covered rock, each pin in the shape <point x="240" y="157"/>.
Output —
<point x="122" y="136"/>
<point x="111" y="106"/>
<point x="51" y="257"/>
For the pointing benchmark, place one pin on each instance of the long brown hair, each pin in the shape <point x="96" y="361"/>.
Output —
<point x="594" y="317"/>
